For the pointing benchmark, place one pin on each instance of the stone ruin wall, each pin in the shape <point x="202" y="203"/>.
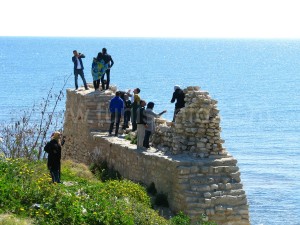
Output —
<point x="188" y="163"/>
<point x="197" y="127"/>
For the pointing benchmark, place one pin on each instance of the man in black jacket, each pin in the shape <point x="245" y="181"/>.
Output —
<point x="108" y="60"/>
<point x="141" y="121"/>
<point x="78" y="68"/>
<point x="179" y="96"/>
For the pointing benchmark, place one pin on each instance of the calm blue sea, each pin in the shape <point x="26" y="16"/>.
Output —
<point x="256" y="83"/>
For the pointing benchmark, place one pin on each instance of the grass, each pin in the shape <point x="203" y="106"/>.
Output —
<point x="27" y="196"/>
<point x="9" y="219"/>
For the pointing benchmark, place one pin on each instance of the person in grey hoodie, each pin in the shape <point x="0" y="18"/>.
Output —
<point x="150" y="126"/>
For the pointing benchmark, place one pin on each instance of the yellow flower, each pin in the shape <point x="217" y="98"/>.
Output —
<point x="47" y="213"/>
<point x="22" y="209"/>
<point x="94" y="213"/>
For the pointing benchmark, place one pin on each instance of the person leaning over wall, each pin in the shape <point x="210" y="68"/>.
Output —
<point x="179" y="96"/>
<point x="150" y="126"/>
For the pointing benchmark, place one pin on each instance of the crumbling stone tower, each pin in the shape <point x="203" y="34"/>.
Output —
<point x="196" y="129"/>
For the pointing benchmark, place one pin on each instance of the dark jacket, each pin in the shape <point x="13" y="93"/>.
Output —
<point x="127" y="104"/>
<point x="116" y="105"/>
<point x="75" y="61"/>
<point x="53" y="148"/>
<point x="108" y="60"/>
<point x="140" y="116"/>
<point x="179" y="96"/>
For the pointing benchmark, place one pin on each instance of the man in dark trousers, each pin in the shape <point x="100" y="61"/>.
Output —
<point x="141" y="121"/>
<point x="179" y="96"/>
<point x="78" y="68"/>
<point x="108" y="60"/>
<point x="116" y="107"/>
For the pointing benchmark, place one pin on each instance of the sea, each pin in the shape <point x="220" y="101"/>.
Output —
<point x="255" y="81"/>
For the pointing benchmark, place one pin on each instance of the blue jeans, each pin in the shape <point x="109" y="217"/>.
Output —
<point x="114" y="116"/>
<point x="79" y="72"/>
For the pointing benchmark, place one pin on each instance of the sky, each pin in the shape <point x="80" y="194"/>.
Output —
<point x="155" y="18"/>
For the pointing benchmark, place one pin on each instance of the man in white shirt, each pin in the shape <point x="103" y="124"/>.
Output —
<point x="78" y="68"/>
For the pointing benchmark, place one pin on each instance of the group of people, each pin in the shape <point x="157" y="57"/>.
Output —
<point x="142" y="119"/>
<point x="140" y="113"/>
<point x="131" y="106"/>
<point x="100" y="66"/>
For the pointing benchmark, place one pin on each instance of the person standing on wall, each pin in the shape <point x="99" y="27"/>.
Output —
<point x="108" y="60"/>
<point x="134" y="107"/>
<point x="116" y="107"/>
<point x="179" y="96"/>
<point x="141" y="121"/>
<point x="98" y="69"/>
<point x="150" y="126"/>
<point x="127" y="111"/>
<point x="78" y="68"/>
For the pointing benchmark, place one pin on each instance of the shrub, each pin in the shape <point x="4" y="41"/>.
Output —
<point x="204" y="221"/>
<point x="126" y="189"/>
<point x="131" y="137"/>
<point x="103" y="172"/>
<point x="180" y="219"/>
<point x="79" y="170"/>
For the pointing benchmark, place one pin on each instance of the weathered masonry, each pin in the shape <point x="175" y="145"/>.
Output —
<point x="188" y="161"/>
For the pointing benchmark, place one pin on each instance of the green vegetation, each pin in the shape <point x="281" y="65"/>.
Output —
<point x="103" y="172"/>
<point x="131" y="137"/>
<point x="27" y="196"/>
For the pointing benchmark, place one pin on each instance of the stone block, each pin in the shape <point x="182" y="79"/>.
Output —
<point x="201" y="188"/>
<point x="184" y="170"/>
<point x="207" y="195"/>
